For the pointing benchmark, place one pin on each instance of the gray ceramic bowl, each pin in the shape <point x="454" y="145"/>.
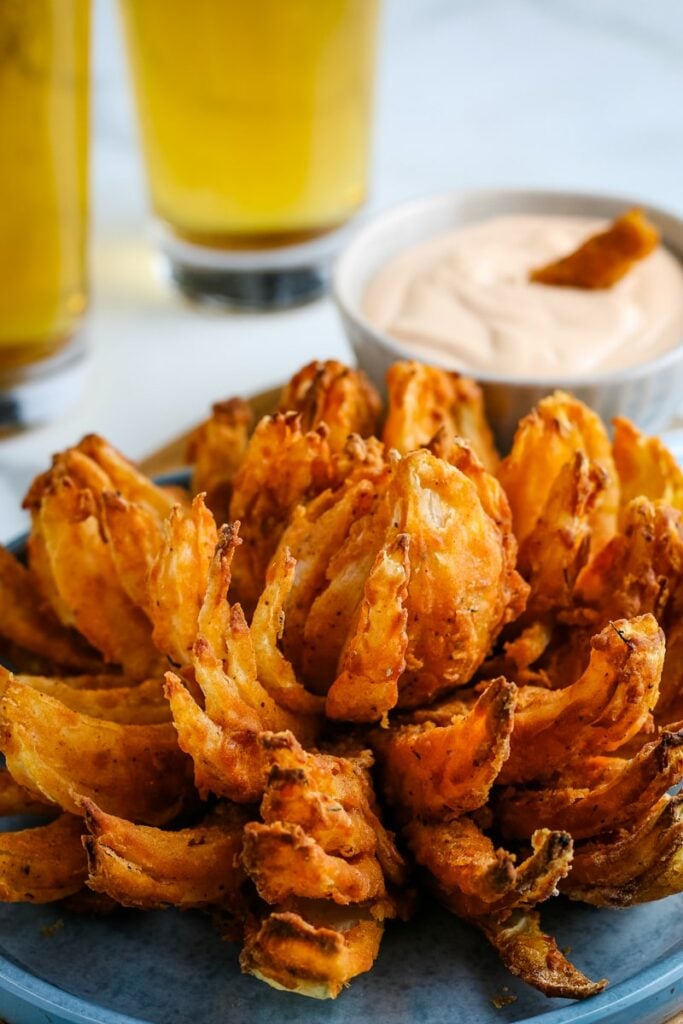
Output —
<point x="650" y="393"/>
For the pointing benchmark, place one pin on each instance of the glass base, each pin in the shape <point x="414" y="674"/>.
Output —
<point x="40" y="392"/>
<point x="251" y="289"/>
<point x="257" y="280"/>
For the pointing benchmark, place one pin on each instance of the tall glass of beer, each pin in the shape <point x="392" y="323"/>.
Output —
<point x="255" y="124"/>
<point x="44" y="63"/>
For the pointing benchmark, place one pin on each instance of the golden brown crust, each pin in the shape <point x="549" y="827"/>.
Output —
<point x="42" y="864"/>
<point x="439" y="771"/>
<point x="329" y="392"/>
<point x="145" y="867"/>
<point x="287" y="951"/>
<point x="612" y="800"/>
<point x="27" y="621"/>
<point x="143" y="704"/>
<point x="374" y="656"/>
<point x="645" y="466"/>
<point x="527" y="952"/>
<point x="608" y="705"/>
<point x="473" y="878"/>
<point x="137" y="771"/>
<point x="545" y="441"/>
<point x="216" y="449"/>
<point x="424" y="400"/>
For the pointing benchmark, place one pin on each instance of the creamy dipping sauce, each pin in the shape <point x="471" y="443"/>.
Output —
<point x="464" y="300"/>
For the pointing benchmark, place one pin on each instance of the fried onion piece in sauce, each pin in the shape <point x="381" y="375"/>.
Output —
<point x="604" y="258"/>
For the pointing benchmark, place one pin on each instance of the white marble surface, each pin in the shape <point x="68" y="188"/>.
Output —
<point x="575" y="93"/>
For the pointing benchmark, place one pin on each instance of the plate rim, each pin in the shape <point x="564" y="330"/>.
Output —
<point x="627" y="994"/>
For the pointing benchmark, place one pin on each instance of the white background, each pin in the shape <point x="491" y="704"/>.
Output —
<point x="574" y="93"/>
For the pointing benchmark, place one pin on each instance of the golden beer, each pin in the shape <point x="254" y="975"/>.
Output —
<point x="43" y="175"/>
<point x="254" y="114"/>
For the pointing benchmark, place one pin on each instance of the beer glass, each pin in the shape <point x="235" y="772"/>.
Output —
<point x="255" y="123"/>
<point x="44" y="61"/>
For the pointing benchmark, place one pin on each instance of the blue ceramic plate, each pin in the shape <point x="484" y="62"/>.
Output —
<point x="172" y="968"/>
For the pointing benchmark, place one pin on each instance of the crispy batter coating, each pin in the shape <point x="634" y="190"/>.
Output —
<point x="554" y="552"/>
<point x="315" y="958"/>
<point x="136" y="771"/>
<point x="28" y="621"/>
<point x="314" y="535"/>
<point x="604" y="258"/>
<point x="94" y="517"/>
<point x="15" y="800"/>
<point x="283" y="466"/>
<point x="547" y="439"/>
<point x="533" y="956"/>
<point x="42" y="864"/>
<point x="85" y="576"/>
<point x="283" y="861"/>
<point x="424" y="400"/>
<point x="473" y="878"/>
<point x="640" y="570"/>
<point x="135" y="536"/>
<point x="143" y="704"/>
<point x="145" y="867"/>
<point x="374" y="656"/>
<point x="329" y="392"/>
<point x="613" y="799"/>
<point x="125" y="479"/>
<point x="463" y="586"/>
<point x="637" y="571"/>
<point x="267" y="627"/>
<point x="608" y="705"/>
<point x="321" y="837"/>
<point x="216" y="449"/>
<point x="632" y="867"/>
<point x="330" y="797"/>
<point x="178" y="579"/>
<point x="223" y="737"/>
<point x="645" y="466"/>
<point x="439" y="771"/>
<point x="377" y="581"/>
